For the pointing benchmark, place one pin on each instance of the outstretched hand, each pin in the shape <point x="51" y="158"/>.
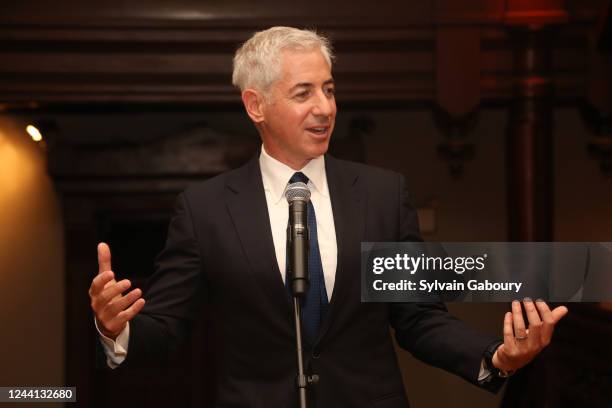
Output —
<point x="522" y="344"/>
<point x="112" y="309"/>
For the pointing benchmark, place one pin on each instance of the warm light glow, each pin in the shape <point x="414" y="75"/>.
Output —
<point x="34" y="133"/>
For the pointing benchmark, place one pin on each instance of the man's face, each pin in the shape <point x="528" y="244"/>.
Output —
<point x="300" y="114"/>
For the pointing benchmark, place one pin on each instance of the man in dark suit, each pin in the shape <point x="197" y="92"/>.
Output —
<point x="226" y="242"/>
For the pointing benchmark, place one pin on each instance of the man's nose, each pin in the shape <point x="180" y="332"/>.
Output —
<point x="324" y="105"/>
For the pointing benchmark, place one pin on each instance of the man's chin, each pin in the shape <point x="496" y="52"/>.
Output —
<point x="319" y="149"/>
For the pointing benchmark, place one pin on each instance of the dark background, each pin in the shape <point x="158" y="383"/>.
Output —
<point x="498" y="113"/>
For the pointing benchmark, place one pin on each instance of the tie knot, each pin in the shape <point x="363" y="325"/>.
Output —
<point x="298" y="177"/>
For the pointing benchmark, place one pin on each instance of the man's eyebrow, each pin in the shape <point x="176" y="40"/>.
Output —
<point x="310" y="84"/>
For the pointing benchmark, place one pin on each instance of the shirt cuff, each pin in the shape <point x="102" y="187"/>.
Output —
<point x="115" y="350"/>
<point x="484" y="372"/>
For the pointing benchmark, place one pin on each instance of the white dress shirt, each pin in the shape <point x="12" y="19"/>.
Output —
<point x="275" y="177"/>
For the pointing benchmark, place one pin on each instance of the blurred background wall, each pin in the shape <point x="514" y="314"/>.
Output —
<point x="497" y="112"/>
<point x="32" y="277"/>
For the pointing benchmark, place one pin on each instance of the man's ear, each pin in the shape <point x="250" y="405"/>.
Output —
<point x="254" y="103"/>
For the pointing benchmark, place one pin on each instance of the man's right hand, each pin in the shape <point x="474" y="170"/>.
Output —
<point x="112" y="309"/>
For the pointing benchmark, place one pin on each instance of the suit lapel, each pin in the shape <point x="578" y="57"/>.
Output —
<point x="349" y="210"/>
<point x="246" y="202"/>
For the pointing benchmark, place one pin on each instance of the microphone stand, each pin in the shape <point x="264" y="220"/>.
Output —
<point x="297" y="250"/>
<point x="303" y="380"/>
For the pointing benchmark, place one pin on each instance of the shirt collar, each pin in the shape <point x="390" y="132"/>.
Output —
<point x="276" y="175"/>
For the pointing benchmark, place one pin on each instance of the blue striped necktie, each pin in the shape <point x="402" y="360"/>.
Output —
<point x="314" y="304"/>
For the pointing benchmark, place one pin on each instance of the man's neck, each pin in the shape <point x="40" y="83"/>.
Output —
<point x="296" y="165"/>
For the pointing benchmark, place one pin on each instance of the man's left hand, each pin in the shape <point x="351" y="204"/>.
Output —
<point x="522" y="344"/>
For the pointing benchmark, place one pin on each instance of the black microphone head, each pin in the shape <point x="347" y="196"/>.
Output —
<point x="297" y="191"/>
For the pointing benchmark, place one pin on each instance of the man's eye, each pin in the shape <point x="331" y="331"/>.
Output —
<point x="330" y="91"/>
<point x="301" y="95"/>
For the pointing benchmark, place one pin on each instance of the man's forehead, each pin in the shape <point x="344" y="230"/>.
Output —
<point x="303" y="67"/>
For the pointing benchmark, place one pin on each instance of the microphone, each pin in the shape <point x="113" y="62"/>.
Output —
<point x="298" y="195"/>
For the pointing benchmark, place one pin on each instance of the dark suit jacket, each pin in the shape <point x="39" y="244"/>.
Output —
<point x="220" y="247"/>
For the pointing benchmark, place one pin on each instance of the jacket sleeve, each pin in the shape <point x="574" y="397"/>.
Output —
<point x="173" y="294"/>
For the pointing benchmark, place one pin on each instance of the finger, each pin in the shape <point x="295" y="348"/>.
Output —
<point x="508" y="332"/>
<point x="119" y="305"/>
<point x="535" y="323"/>
<point x="99" y="282"/>
<point x="129" y="313"/>
<point x="548" y="321"/>
<point x="559" y="312"/>
<point x="517" y="319"/>
<point x="109" y="283"/>
<point x="533" y="317"/>
<point x="104" y="258"/>
<point x="111" y="292"/>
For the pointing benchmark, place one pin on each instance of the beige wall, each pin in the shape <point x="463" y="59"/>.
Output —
<point x="32" y="265"/>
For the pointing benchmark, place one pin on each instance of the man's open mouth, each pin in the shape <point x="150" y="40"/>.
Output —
<point x="318" y="130"/>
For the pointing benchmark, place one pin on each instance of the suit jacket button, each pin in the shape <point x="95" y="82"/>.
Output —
<point x="316" y="354"/>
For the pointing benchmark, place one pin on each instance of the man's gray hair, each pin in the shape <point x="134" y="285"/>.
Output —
<point x="257" y="63"/>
